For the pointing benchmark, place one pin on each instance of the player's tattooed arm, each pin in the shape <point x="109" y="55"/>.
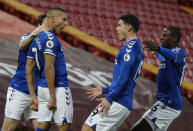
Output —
<point x="26" y="41"/>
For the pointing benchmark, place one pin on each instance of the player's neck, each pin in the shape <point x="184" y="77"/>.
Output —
<point x="49" y="27"/>
<point x="130" y="36"/>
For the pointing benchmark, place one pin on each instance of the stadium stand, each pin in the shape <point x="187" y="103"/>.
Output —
<point x="99" y="19"/>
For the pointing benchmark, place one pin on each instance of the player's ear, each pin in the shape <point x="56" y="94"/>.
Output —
<point x="129" y="28"/>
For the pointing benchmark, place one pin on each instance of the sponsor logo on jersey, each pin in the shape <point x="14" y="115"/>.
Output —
<point x="50" y="44"/>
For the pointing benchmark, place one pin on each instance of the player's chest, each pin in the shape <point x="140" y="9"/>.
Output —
<point x="165" y="66"/>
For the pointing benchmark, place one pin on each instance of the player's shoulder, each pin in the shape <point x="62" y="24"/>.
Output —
<point x="48" y="37"/>
<point x="24" y="36"/>
<point x="132" y="45"/>
<point x="47" y="34"/>
<point x="179" y="50"/>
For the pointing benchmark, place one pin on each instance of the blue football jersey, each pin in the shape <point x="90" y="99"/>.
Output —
<point x="47" y="43"/>
<point x="170" y="76"/>
<point x="127" y="67"/>
<point x="18" y="81"/>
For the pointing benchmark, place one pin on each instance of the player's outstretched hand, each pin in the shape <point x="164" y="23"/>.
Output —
<point x="34" y="104"/>
<point x="94" y="92"/>
<point x="150" y="45"/>
<point x="104" y="106"/>
<point x="52" y="103"/>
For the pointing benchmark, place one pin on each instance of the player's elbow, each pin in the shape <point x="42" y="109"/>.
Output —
<point x="21" y="46"/>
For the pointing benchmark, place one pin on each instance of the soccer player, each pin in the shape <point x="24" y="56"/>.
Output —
<point x="18" y="99"/>
<point x="116" y="107"/>
<point x="54" y="96"/>
<point x="168" y="104"/>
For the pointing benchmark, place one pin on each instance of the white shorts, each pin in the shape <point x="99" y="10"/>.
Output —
<point x="18" y="103"/>
<point x="112" y="121"/>
<point x="64" y="111"/>
<point x="159" y="116"/>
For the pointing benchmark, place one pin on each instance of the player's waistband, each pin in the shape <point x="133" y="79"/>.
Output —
<point x="66" y="87"/>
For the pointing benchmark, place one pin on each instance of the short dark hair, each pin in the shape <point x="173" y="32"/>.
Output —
<point x="56" y="8"/>
<point x="175" y="32"/>
<point x="132" y="20"/>
<point x="41" y="18"/>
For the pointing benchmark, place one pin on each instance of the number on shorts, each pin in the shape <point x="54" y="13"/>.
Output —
<point x="154" y="108"/>
<point x="94" y="112"/>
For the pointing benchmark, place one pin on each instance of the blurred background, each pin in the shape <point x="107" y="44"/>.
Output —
<point x="90" y="45"/>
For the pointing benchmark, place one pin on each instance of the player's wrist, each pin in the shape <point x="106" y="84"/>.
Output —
<point x="52" y="96"/>
<point x="109" y="99"/>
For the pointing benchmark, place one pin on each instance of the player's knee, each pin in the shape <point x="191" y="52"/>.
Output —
<point x="42" y="127"/>
<point x="9" y="124"/>
<point x="85" y="127"/>
<point x="65" y="127"/>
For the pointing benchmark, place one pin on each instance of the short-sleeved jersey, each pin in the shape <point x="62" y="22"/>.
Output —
<point x="127" y="67"/>
<point x="18" y="81"/>
<point x="47" y="43"/>
<point x="170" y="76"/>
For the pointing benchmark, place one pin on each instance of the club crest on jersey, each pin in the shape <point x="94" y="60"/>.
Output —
<point x="127" y="57"/>
<point x="50" y="44"/>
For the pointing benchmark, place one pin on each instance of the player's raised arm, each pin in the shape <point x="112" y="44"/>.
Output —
<point x="167" y="53"/>
<point x="26" y="41"/>
<point x="169" y="41"/>
<point x="30" y="64"/>
<point x="50" y="78"/>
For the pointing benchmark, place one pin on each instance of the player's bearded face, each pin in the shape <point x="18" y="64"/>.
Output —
<point x="121" y="30"/>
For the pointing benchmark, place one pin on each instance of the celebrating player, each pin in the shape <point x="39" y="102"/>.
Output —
<point x="169" y="81"/>
<point x="116" y="107"/>
<point x="54" y="96"/>
<point x="18" y="99"/>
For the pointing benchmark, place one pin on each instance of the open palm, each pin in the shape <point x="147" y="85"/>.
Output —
<point x="94" y="92"/>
